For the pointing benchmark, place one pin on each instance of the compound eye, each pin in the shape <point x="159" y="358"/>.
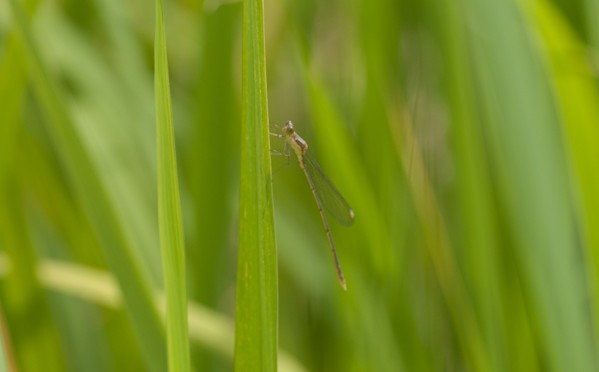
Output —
<point x="289" y="128"/>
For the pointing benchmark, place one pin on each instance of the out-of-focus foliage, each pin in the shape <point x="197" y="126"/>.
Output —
<point x="464" y="134"/>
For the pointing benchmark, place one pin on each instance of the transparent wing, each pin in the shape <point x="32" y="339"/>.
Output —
<point x="330" y="197"/>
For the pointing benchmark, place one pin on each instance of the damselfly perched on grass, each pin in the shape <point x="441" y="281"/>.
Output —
<point x="325" y="194"/>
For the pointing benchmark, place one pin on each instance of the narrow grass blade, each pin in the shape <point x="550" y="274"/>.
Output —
<point x="473" y="189"/>
<point x="577" y="92"/>
<point x="82" y="173"/>
<point x="256" y="315"/>
<point x="36" y="345"/>
<point x="169" y="210"/>
<point x="208" y="328"/>
<point x="532" y="181"/>
<point x="438" y="244"/>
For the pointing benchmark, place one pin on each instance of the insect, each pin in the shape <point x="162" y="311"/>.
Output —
<point x="323" y="190"/>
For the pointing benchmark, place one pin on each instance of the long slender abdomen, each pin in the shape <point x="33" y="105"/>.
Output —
<point x="326" y="226"/>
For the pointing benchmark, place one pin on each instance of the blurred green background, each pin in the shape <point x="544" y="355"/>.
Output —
<point x="465" y="135"/>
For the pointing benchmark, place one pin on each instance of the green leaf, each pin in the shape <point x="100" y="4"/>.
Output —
<point x="577" y="92"/>
<point x="532" y="181"/>
<point x="118" y="245"/>
<point x="208" y="328"/>
<point x="473" y="189"/>
<point x="256" y="339"/>
<point x="169" y="210"/>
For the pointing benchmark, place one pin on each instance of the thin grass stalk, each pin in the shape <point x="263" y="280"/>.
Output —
<point x="256" y="318"/>
<point x="169" y="210"/>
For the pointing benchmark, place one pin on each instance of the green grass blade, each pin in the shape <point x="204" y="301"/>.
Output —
<point x="115" y="125"/>
<point x="481" y="251"/>
<point x="256" y="323"/>
<point x="439" y="247"/>
<point x="212" y="330"/>
<point x="169" y="210"/>
<point x="36" y="345"/>
<point x="577" y="92"/>
<point x="527" y="154"/>
<point x="117" y="244"/>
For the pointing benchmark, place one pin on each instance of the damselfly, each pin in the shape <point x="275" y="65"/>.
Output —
<point x="325" y="194"/>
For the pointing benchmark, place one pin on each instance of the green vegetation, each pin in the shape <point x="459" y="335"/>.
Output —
<point x="256" y="318"/>
<point x="144" y="224"/>
<point x="169" y="209"/>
